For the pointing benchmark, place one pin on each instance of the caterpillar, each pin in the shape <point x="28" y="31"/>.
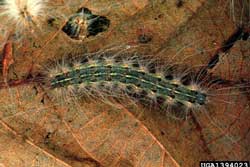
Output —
<point x="63" y="79"/>
<point x="179" y="93"/>
<point x="174" y="89"/>
<point x="110" y="72"/>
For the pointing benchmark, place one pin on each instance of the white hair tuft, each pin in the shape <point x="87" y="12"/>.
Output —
<point x="23" y="13"/>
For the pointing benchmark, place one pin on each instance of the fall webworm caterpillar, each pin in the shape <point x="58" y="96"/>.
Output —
<point x="219" y="110"/>
<point x="135" y="78"/>
<point x="223" y="98"/>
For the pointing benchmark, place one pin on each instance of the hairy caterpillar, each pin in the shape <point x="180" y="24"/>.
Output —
<point x="224" y="105"/>
<point x="174" y="89"/>
<point x="220" y="100"/>
<point x="126" y="76"/>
